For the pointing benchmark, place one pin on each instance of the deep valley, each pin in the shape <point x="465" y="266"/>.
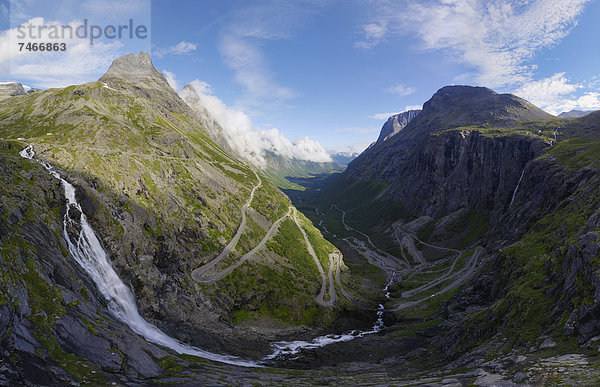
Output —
<point x="137" y="247"/>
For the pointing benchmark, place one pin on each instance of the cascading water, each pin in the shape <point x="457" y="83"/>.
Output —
<point x="516" y="189"/>
<point x="291" y="348"/>
<point x="90" y="254"/>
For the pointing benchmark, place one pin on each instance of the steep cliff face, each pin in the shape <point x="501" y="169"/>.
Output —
<point x="530" y="183"/>
<point x="464" y="149"/>
<point x="396" y="123"/>
<point x="55" y="327"/>
<point x="190" y="96"/>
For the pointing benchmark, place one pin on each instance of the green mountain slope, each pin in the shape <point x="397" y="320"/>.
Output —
<point x="166" y="199"/>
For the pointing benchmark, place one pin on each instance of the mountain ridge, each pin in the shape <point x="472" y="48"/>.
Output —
<point x="165" y="199"/>
<point x="493" y="171"/>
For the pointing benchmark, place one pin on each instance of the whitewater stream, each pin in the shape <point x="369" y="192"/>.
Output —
<point x="89" y="253"/>
<point x="292" y="348"/>
<point x="517" y="188"/>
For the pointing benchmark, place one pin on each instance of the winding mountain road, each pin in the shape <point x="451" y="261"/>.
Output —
<point x="196" y="274"/>
<point x="200" y="274"/>
<point x="244" y="258"/>
<point x="458" y="277"/>
<point x="311" y="251"/>
<point x="453" y="285"/>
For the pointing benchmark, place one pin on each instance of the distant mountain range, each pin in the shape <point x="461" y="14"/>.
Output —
<point x="11" y="89"/>
<point x="575" y="113"/>
<point x="343" y="158"/>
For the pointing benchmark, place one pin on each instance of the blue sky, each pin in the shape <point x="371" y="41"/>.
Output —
<point x="334" y="70"/>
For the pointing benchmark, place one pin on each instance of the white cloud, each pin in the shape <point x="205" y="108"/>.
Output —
<point x="495" y="38"/>
<point x="547" y="91"/>
<point x="356" y="130"/>
<point x="184" y="47"/>
<point x="556" y="94"/>
<point x="400" y="90"/>
<point x="171" y="79"/>
<point x="357" y="147"/>
<point x="374" y="33"/>
<point x="109" y="8"/>
<point x="413" y="107"/>
<point x="244" y="37"/>
<point x="383" y="116"/>
<point x="246" y="140"/>
<point x="180" y="48"/>
<point x="78" y="64"/>
<point x="246" y="60"/>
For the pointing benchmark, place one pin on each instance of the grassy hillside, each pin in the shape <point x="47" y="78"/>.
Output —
<point x="166" y="199"/>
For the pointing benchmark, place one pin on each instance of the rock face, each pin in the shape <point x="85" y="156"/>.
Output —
<point x="533" y="177"/>
<point x="191" y="97"/>
<point x="55" y="326"/>
<point x="11" y="89"/>
<point x="135" y="69"/>
<point x="440" y="152"/>
<point x="396" y="123"/>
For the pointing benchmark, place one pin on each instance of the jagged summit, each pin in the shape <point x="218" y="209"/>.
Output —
<point x="135" y="69"/>
<point x="396" y="123"/>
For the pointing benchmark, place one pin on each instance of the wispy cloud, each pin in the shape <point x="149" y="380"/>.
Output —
<point x="557" y="94"/>
<point x="495" y="38"/>
<point x="78" y="64"/>
<point x="244" y="37"/>
<point x="356" y="130"/>
<point x="246" y="60"/>
<point x="385" y="116"/>
<point x="413" y="107"/>
<point x="171" y="79"/>
<point x="250" y="142"/>
<point x="180" y="48"/>
<point x="400" y="90"/>
<point x="382" y="116"/>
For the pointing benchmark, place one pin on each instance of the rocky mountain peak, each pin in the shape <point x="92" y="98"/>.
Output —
<point x="453" y="106"/>
<point x="11" y="89"/>
<point x="133" y="69"/>
<point x="396" y="123"/>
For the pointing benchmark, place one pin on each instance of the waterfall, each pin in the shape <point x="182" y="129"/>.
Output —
<point x="89" y="253"/>
<point x="516" y="188"/>
<point x="552" y="142"/>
